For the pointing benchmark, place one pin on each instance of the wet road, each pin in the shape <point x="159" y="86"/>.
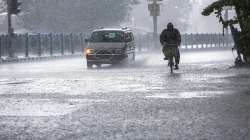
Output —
<point x="61" y="99"/>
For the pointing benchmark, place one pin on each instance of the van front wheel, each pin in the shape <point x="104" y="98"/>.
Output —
<point x="89" y="65"/>
<point x="133" y="58"/>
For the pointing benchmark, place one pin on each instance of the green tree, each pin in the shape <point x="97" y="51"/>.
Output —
<point x="242" y="9"/>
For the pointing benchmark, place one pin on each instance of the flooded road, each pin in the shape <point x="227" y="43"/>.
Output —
<point x="62" y="99"/>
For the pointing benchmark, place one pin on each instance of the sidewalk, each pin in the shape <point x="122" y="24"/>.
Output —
<point x="6" y="60"/>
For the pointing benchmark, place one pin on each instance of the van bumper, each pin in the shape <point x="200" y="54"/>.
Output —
<point x="105" y="58"/>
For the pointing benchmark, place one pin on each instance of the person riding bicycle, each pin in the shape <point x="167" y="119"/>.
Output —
<point x="170" y="39"/>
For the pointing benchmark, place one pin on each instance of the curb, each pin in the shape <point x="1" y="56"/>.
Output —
<point x="31" y="59"/>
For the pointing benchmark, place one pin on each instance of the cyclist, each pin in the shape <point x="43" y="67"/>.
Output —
<point x="170" y="39"/>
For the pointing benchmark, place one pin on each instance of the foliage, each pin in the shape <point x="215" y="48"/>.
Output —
<point x="242" y="9"/>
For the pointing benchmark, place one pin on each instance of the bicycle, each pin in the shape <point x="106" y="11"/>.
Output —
<point x="171" y="64"/>
<point x="170" y="51"/>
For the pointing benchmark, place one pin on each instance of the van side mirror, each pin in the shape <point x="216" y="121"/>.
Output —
<point x="86" y="40"/>
<point x="127" y="39"/>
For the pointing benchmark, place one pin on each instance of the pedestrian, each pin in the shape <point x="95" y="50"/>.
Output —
<point x="171" y="38"/>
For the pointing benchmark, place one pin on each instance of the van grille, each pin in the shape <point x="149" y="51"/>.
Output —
<point x="103" y="54"/>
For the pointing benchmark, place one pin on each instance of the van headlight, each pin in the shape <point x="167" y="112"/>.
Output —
<point x="89" y="51"/>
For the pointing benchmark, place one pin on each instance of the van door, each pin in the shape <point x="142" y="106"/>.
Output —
<point x="130" y="45"/>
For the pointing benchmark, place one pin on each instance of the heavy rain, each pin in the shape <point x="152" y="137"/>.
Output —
<point x="108" y="70"/>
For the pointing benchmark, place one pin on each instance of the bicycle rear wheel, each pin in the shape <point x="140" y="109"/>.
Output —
<point x="171" y="64"/>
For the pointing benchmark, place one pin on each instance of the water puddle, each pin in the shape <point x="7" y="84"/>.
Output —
<point x="187" y="95"/>
<point x="42" y="107"/>
<point x="15" y="81"/>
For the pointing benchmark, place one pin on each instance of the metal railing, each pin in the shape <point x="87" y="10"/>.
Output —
<point x="38" y="45"/>
<point x="189" y="41"/>
<point x="46" y="45"/>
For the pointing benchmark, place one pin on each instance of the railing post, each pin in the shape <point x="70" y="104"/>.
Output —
<point x="139" y="37"/>
<point x="58" y="41"/>
<point x="219" y="37"/>
<point x="46" y="43"/>
<point x="26" y="45"/>
<point x="81" y="42"/>
<point x="218" y="40"/>
<point x="39" y="45"/>
<point x="197" y="40"/>
<point x="186" y="41"/>
<point x="5" y="42"/>
<point x="231" y="40"/>
<point x="66" y="43"/>
<point x="222" y="41"/>
<point x="227" y="40"/>
<point x="1" y="46"/>
<point x="50" y="44"/>
<point x="223" y="38"/>
<point x="202" y="40"/>
<point x="78" y="42"/>
<point x="192" y="41"/>
<point x="148" y="41"/>
<point x="212" y="40"/>
<point x="62" y="44"/>
<point x="215" y="40"/>
<point x="72" y="43"/>
<point x="207" y="39"/>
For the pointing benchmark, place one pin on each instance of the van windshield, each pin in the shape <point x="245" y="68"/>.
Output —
<point x="107" y="36"/>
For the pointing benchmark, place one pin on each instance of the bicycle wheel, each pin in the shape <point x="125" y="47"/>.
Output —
<point x="171" y="64"/>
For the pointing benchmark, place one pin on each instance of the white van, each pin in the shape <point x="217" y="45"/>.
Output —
<point x="109" y="46"/>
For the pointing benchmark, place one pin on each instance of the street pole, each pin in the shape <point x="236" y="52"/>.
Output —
<point x="155" y="22"/>
<point x="226" y="19"/>
<point x="10" y="29"/>
<point x="154" y="9"/>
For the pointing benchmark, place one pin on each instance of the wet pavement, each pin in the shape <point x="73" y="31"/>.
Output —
<point x="61" y="99"/>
